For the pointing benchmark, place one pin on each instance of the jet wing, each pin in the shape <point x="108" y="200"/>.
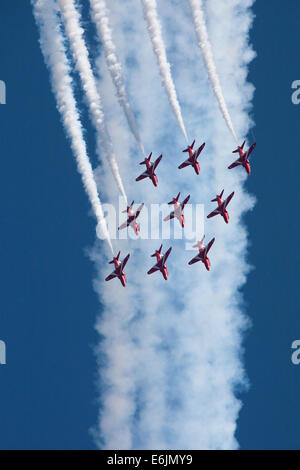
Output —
<point x="142" y="176"/>
<point x="227" y="201"/>
<point x="166" y="255"/>
<point x="123" y="264"/>
<point x="194" y="260"/>
<point x="184" y="164"/>
<point x="209" y="245"/>
<point x="152" y="270"/>
<point x="213" y="213"/>
<point x="250" y="150"/>
<point x="185" y="201"/>
<point x="138" y="211"/>
<point x="169" y="217"/>
<point x="157" y="162"/>
<point x="200" y="150"/>
<point x="124" y="225"/>
<point x="234" y="164"/>
<point x="111" y="276"/>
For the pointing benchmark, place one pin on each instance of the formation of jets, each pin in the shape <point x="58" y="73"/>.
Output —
<point x="221" y="209"/>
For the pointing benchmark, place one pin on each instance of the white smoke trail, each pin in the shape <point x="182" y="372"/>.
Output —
<point x="53" y="49"/>
<point x="204" y="44"/>
<point x="100" y="17"/>
<point x="74" y="32"/>
<point x="170" y="354"/>
<point x="155" y="33"/>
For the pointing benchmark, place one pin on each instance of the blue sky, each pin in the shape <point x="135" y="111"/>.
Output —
<point x="48" y="306"/>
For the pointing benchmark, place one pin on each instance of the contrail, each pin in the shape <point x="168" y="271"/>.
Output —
<point x="74" y="33"/>
<point x="205" y="46"/>
<point x="52" y="45"/>
<point x="101" y="20"/>
<point x="155" y="33"/>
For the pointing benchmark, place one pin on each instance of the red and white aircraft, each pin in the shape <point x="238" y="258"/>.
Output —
<point x="178" y="209"/>
<point x="161" y="262"/>
<point x="132" y="216"/>
<point x="150" y="169"/>
<point x="243" y="157"/>
<point x="221" y="209"/>
<point x="119" y="266"/>
<point x="202" y="255"/>
<point x="193" y="156"/>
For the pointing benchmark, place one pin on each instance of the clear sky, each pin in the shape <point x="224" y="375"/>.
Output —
<point x="48" y="307"/>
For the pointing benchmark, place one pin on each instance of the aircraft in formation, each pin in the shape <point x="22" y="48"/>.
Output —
<point x="131" y="221"/>
<point x="221" y="209"/>
<point x="161" y="262"/>
<point x="202" y="255"/>
<point x="178" y="209"/>
<point x="193" y="157"/>
<point x="243" y="159"/>
<point x="150" y="169"/>
<point x="118" y="271"/>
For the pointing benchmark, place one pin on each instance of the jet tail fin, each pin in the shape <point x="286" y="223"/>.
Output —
<point x="189" y="146"/>
<point x="144" y="162"/>
<point x="159" y="251"/>
<point x="239" y="147"/>
<point x="113" y="260"/>
<point x="218" y="195"/>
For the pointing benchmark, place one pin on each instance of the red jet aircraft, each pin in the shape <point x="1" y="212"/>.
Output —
<point x="131" y="220"/>
<point x="193" y="156"/>
<point x="161" y="262"/>
<point x="221" y="209"/>
<point x="202" y="255"/>
<point x="243" y="157"/>
<point x="178" y="209"/>
<point x="119" y="266"/>
<point x="150" y="169"/>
